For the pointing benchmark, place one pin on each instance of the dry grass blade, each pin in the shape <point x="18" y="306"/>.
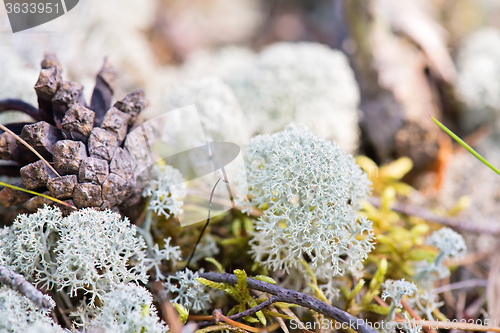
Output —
<point x="219" y="317"/>
<point x="39" y="194"/>
<point x="221" y="327"/>
<point x="280" y="321"/>
<point x="301" y="324"/>
<point x="493" y="288"/>
<point x="30" y="148"/>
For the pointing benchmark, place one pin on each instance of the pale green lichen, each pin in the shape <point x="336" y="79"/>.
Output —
<point x="19" y="314"/>
<point x="128" y="309"/>
<point x="309" y="189"/>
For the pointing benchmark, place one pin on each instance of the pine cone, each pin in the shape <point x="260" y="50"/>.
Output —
<point x="83" y="143"/>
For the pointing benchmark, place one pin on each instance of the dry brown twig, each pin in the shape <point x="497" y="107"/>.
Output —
<point x="169" y="313"/>
<point x="20" y="284"/>
<point x="293" y="297"/>
<point x="19" y="105"/>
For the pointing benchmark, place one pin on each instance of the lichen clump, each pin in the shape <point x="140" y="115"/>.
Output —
<point x="309" y="189"/>
<point x="397" y="289"/>
<point x="128" y="308"/>
<point x="89" y="250"/>
<point x="306" y="83"/>
<point x="219" y="111"/>
<point x="19" y="314"/>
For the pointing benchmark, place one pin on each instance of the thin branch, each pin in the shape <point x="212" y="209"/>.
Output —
<point x="19" y="105"/>
<point x="255" y="309"/>
<point x="30" y="148"/>
<point x="294" y="297"/>
<point x="463" y="284"/>
<point x="19" y="283"/>
<point x="464" y="225"/>
<point x="168" y="312"/>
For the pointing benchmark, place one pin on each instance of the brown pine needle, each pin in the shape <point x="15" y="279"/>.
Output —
<point x="219" y="317"/>
<point x="199" y="317"/>
<point x="5" y="129"/>
<point x="39" y="194"/>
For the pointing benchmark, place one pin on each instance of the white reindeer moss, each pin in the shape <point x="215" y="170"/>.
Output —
<point x="88" y="250"/>
<point x="309" y="190"/>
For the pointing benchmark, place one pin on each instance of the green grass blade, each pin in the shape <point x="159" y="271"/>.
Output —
<point x="466" y="146"/>
<point x="36" y="193"/>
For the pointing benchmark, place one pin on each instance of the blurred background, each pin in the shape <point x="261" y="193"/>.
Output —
<point x="365" y="73"/>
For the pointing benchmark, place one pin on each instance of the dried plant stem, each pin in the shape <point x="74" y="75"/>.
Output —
<point x="294" y="297"/>
<point x="255" y="309"/>
<point x="39" y="194"/>
<point x="302" y="325"/>
<point x="280" y="321"/>
<point x="473" y="283"/>
<point x="409" y="210"/>
<point x="30" y="148"/>
<point x="206" y="224"/>
<point x="18" y="105"/>
<point x="19" y="283"/>
<point x="219" y="317"/>
<point x="221" y="327"/>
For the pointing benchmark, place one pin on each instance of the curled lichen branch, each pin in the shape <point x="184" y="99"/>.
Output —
<point x="294" y="297"/>
<point x="19" y="283"/>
